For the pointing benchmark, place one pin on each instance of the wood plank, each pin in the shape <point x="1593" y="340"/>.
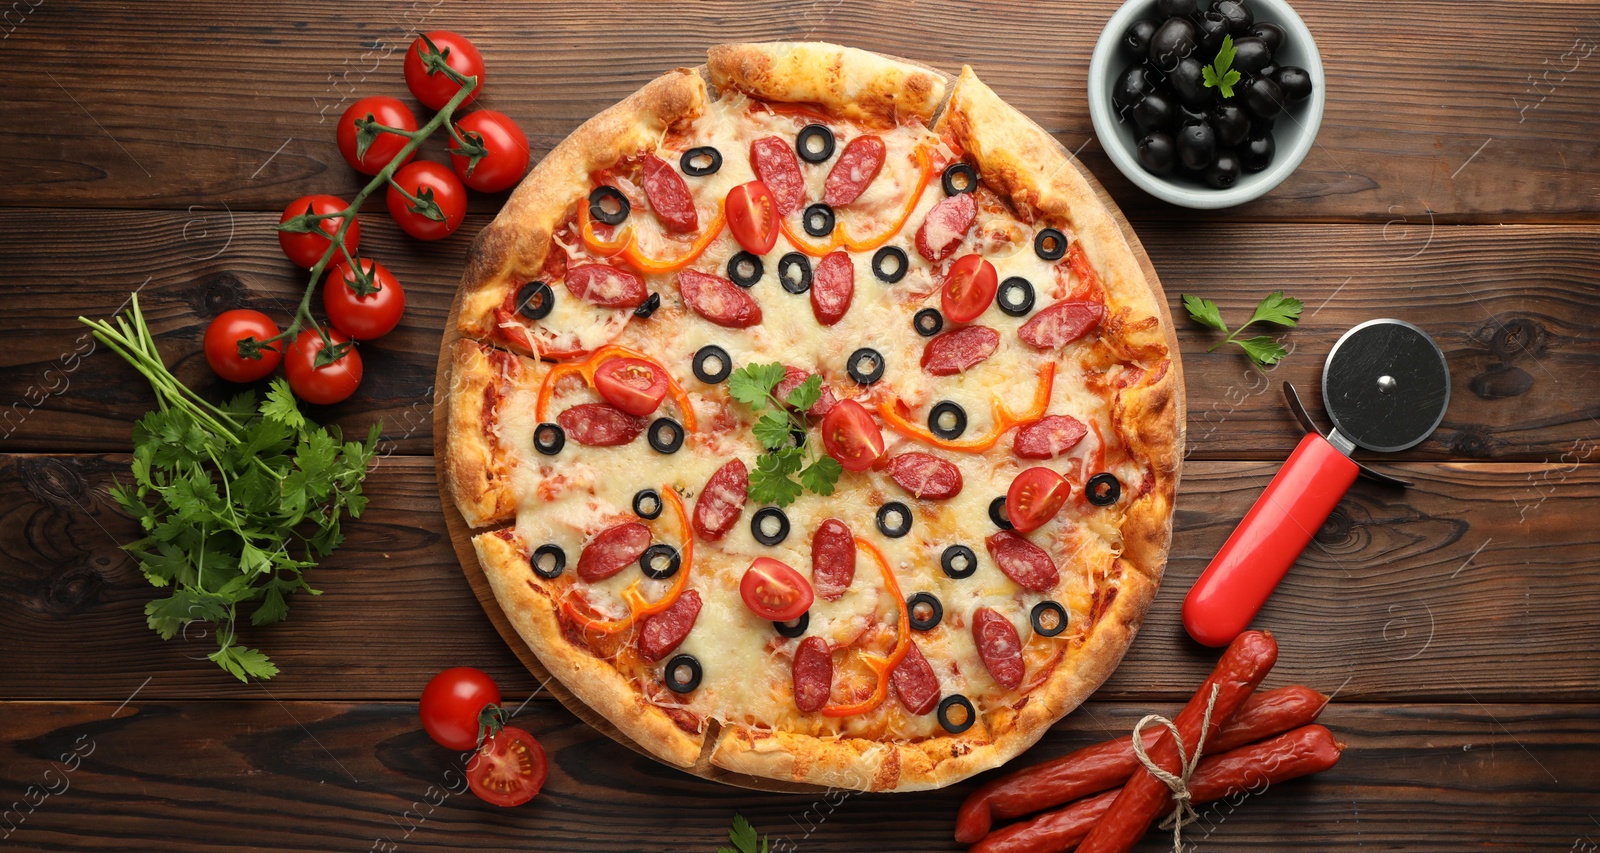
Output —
<point x="1521" y="338"/>
<point x="1487" y="112"/>
<point x="1415" y="595"/>
<point x="313" y="775"/>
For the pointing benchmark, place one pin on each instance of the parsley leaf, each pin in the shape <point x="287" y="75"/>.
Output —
<point x="744" y="838"/>
<point x="1263" y="350"/>
<point x="1277" y="308"/>
<point x="806" y="394"/>
<point x="777" y="422"/>
<point x="1204" y="311"/>
<point x="821" y="475"/>
<point x="770" y="482"/>
<point x="772" y="429"/>
<point x="752" y="384"/>
<point x="1219" y="74"/>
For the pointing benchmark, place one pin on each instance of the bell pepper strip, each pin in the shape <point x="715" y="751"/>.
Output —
<point x="1004" y="419"/>
<point x="588" y="366"/>
<point x="880" y="665"/>
<point x="625" y="244"/>
<point x="638" y="607"/>
<point x="841" y="236"/>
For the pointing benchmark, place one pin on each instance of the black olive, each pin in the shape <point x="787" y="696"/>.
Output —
<point x="1270" y="33"/>
<point x="648" y="307"/>
<point x="712" y="364"/>
<point x="1015" y="296"/>
<point x="1238" y="16"/>
<point x="797" y="438"/>
<point x="794" y="627"/>
<point x="745" y="269"/>
<point x="1049" y="244"/>
<point x="1294" y="81"/>
<point x="884" y="258"/>
<point x="1103" y="489"/>
<point x="1158" y="153"/>
<point x="1224" y="171"/>
<point x="814" y="143"/>
<point x="818" y="220"/>
<point x="647" y="504"/>
<point x="1262" y="97"/>
<point x="666" y="435"/>
<point x="794" y="272"/>
<point x="959" y="178"/>
<point x="1132" y="85"/>
<point x="779" y="524"/>
<point x="1157" y="111"/>
<point x="865" y="365"/>
<point x="598" y="209"/>
<point x="660" y="561"/>
<point x="1270" y="71"/>
<point x="1258" y="152"/>
<point x="1193" y="116"/>
<point x="1189" y="83"/>
<point x="699" y="162"/>
<point x="549" y="438"/>
<point x="1185" y="8"/>
<point x="1251" y="55"/>
<point x="682" y="674"/>
<point x="997" y="513"/>
<point x="928" y="322"/>
<point x="535" y="300"/>
<point x="1052" y="627"/>
<point x="962" y="720"/>
<point x="1173" y="41"/>
<point x="1231" y="124"/>
<point x="958" y="561"/>
<point x="925" y="601"/>
<point x="548" y="561"/>
<point x="1197" y="146"/>
<point x="943" y="411"/>
<point x="1259" y="125"/>
<point x="1213" y="28"/>
<point x="894" y="519"/>
<point x="1137" y="37"/>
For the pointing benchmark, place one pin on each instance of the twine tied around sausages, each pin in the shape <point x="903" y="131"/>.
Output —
<point x="1179" y="783"/>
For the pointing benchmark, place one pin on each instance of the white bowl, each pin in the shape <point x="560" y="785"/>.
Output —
<point x="1293" y="134"/>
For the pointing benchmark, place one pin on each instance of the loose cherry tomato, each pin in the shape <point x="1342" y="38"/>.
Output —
<point x="363" y="317"/>
<point x="452" y="703"/>
<point x="426" y="178"/>
<point x="321" y="385"/>
<point x="386" y="111"/>
<point x="1035" y="496"/>
<point x="509" y="769"/>
<point x="851" y="436"/>
<point x="306" y="249"/>
<point x="507" y="160"/>
<point x="774" y="591"/>
<point x="436" y="89"/>
<point x="633" y="385"/>
<point x="222" y="345"/>
<point x="753" y="217"/>
<point x="968" y="289"/>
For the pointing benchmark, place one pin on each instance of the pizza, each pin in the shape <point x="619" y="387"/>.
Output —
<point x="941" y="316"/>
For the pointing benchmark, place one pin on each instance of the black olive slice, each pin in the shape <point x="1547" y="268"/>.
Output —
<point x="699" y="162"/>
<point x="794" y="627"/>
<point x="660" y="561"/>
<point x="647" y="504"/>
<point x="954" y="724"/>
<point x="997" y="513"/>
<point x="1103" y="489"/>
<point x="958" y="561"/>
<point x="865" y="365"/>
<point x="649" y="307"/>
<point x="666" y="435"/>
<point x="745" y="269"/>
<point x="769" y="525"/>
<point x="1015" y="296"/>
<point x="959" y="178"/>
<point x="683" y="673"/>
<point x="1049" y="244"/>
<point x="797" y="438"/>
<point x="1048" y="618"/>
<point x="598" y="208"/>
<point x="928" y="604"/>
<point x="894" y="519"/>
<point x="535" y="300"/>
<point x="548" y="561"/>
<point x="794" y="272"/>
<point x="712" y="364"/>
<point x="947" y="420"/>
<point x="885" y="256"/>
<point x="814" y="143"/>
<point x="818" y="220"/>
<point x="928" y="322"/>
<point x="549" y="438"/>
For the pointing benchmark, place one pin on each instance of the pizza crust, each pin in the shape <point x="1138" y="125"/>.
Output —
<point x="858" y="85"/>
<point x="479" y="477"/>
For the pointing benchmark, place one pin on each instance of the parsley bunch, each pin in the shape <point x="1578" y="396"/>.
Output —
<point x="1262" y="349"/>
<point x="777" y="423"/>
<point x="235" y="501"/>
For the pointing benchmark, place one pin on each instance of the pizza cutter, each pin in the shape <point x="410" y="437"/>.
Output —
<point x="1386" y="387"/>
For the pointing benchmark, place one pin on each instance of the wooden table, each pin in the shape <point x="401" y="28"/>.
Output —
<point x="151" y="147"/>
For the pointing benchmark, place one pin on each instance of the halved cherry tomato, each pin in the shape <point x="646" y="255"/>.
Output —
<point x="851" y="436"/>
<point x="753" y="217"/>
<point x="306" y="249"/>
<point x="774" y="591"/>
<point x="451" y="705"/>
<point x="509" y="769"/>
<point x="633" y="385"/>
<point x="222" y="345"/>
<point x="321" y="385"/>
<point x="1035" y="496"/>
<point x="968" y="289"/>
<point x="425" y="178"/>
<point x="435" y="90"/>
<point x="507" y="146"/>
<point x="386" y="111"/>
<point x="363" y="317"/>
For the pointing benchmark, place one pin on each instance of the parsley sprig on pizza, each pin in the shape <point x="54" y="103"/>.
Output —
<point x="783" y="433"/>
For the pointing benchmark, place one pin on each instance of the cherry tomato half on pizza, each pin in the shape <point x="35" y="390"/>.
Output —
<point x="968" y="289"/>
<point x="222" y="345"/>
<point x="851" y="436"/>
<point x="1035" y="496"/>
<point x="774" y="591"/>
<point x="633" y="385"/>
<point x="753" y="217"/>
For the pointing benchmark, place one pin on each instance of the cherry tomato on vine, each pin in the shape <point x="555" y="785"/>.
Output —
<point x="509" y="769"/>
<point x="222" y="345"/>
<point x="633" y="385"/>
<point x="386" y="111"/>
<point x="321" y="385"/>
<point x="507" y="158"/>
<point x="753" y="217"/>
<point x="446" y="190"/>
<point x="1035" y="496"/>
<point x="363" y="317"/>
<point x="436" y="90"/>
<point x="307" y="248"/>
<point x="451" y="705"/>
<point x="850" y="436"/>
<point x="774" y="591"/>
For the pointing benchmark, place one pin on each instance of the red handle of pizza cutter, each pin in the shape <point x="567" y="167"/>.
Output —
<point x="1262" y="548"/>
